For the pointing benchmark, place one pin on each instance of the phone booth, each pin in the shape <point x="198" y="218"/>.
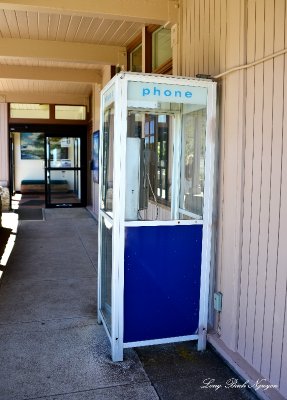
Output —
<point x="157" y="150"/>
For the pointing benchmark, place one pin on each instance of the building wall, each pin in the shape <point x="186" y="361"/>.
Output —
<point x="250" y="266"/>
<point x="4" y="166"/>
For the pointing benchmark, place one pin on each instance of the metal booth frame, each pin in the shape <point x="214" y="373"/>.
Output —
<point x="117" y="91"/>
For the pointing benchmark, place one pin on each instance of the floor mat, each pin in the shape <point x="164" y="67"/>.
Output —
<point x="33" y="203"/>
<point x="30" y="214"/>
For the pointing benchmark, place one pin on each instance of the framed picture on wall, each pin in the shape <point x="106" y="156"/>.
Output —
<point x="32" y="145"/>
<point x="95" y="159"/>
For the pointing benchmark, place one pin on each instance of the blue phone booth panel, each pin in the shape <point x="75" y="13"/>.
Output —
<point x="162" y="281"/>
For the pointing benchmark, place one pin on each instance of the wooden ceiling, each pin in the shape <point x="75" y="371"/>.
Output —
<point x="61" y="46"/>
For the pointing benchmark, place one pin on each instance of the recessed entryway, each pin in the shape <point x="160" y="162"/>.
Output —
<point x="48" y="165"/>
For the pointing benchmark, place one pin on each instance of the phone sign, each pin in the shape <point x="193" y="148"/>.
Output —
<point x="147" y="91"/>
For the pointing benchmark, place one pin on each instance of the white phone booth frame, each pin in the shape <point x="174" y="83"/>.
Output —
<point x="116" y="92"/>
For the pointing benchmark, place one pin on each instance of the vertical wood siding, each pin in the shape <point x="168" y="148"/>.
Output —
<point x="251" y="259"/>
<point x="4" y="165"/>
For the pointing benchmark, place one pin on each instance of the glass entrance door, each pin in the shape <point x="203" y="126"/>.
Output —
<point x="63" y="172"/>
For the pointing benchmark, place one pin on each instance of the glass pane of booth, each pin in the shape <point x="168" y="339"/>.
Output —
<point x="107" y="171"/>
<point x="106" y="271"/>
<point x="149" y="166"/>
<point x="192" y="162"/>
<point x="165" y="151"/>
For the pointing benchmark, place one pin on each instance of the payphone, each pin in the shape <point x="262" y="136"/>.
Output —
<point x="155" y="220"/>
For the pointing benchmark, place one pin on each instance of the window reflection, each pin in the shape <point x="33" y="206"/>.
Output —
<point x="192" y="163"/>
<point x="108" y="160"/>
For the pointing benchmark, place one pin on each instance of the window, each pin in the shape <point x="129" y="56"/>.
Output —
<point x="136" y="59"/>
<point x="47" y="111"/>
<point x="19" y="110"/>
<point x="157" y="52"/>
<point x="70" y="112"/>
<point x="161" y="48"/>
<point x="108" y="160"/>
<point x="193" y="162"/>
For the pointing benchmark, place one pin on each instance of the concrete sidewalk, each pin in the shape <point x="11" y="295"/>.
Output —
<point x="52" y="348"/>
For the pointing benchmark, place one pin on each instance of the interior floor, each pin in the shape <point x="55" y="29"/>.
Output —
<point x="37" y="200"/>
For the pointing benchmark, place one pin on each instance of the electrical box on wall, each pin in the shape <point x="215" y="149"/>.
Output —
<point x="217" y="301"/>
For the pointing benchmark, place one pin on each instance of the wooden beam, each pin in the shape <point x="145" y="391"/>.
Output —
<point x="63" y="51"/>
<point x="50" y="74"/>
<point x="146" y="11"/>
<point x="52" y="98"/>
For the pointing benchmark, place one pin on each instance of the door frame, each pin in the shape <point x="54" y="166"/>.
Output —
<point x="59" y="130"/>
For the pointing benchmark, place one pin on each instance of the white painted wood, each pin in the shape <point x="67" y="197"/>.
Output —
<point x="54" y="21"/>
<point x="275" y="185"/>
<point x="4" y="165"/>
<point x="265" y="187"/>
<point x="72" y="28"/>
<point x="5" y="32"/>
<point x="32" y="18"/>
<point x="110" y="31"/>
<point x="196" y="36"/>
<point x="200" y="50"/>
<point x="244" y="370"/>
<point x="278" y="374"/>
<point x="12" y="23"/>
<point x="217" y="26"/>
<point x="280" y="282"/>
<point x="280" y="362"/>
<point x="35" y="23"/>
<point x="206" y="37"/>
<point x="63" y="51"/>
<point x="255" y="196"/>
<point x="43" y="26"/>
<point x="247" y="209"/>
<point x="211" y="42"/>
<point x="184" y="18"/>
<point x="83" y="28"/>
<point x="191" y="27"/>
<point x="232" y="180"/>
<point x="223" y="34"/>
<point x="153" y="12"/>
<point x="22" y="23"/>
<point x="50" y="74"/>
